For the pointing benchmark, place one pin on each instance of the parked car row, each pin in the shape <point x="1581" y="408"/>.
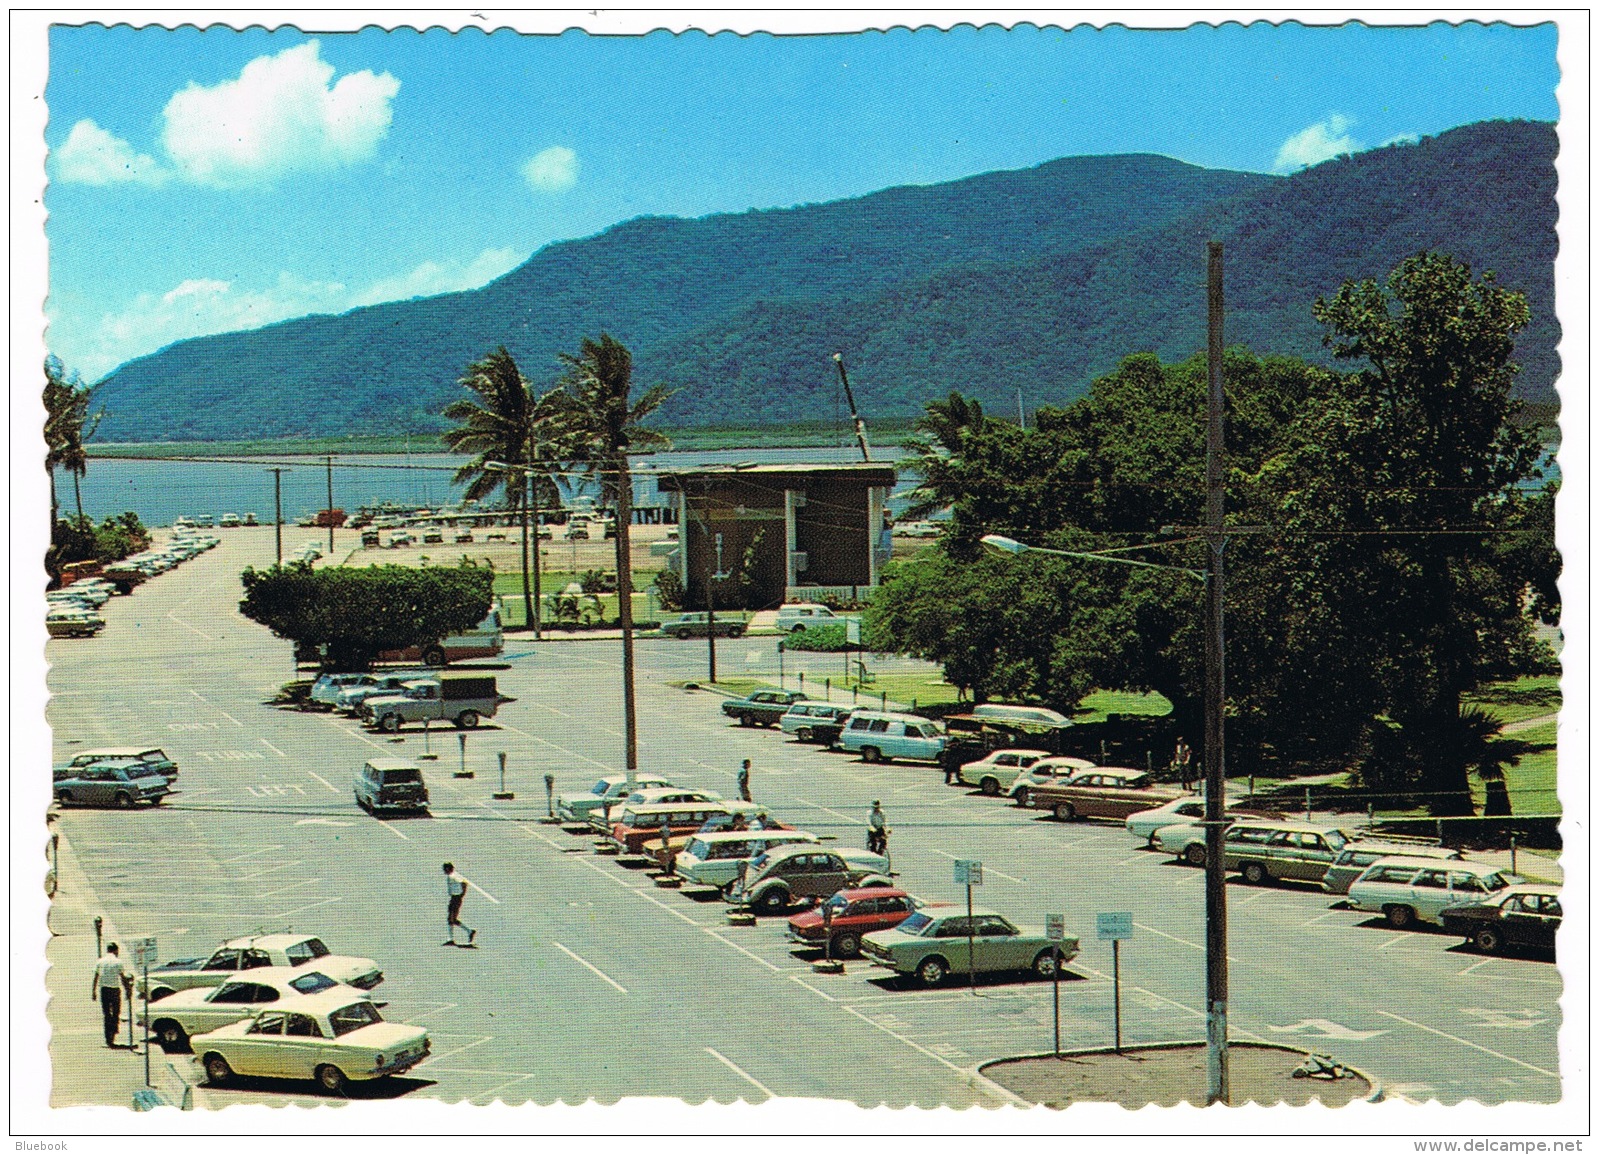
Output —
<point x="280" y="1006"/>
<point x="73" y="611"/>
<point x="117" y="776"/>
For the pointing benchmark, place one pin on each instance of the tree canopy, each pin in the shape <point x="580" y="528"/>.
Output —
<point x="358" y="613"/>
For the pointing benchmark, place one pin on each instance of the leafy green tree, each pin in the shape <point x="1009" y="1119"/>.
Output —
<point x="358" y="613"/>
<point x="605" y="423"/>
<point x="505" y="424"/>
<point x="68" y="423"/>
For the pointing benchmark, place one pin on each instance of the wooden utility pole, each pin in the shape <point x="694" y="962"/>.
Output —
<point x="277" y="507"/>
<point x="330" y="508"/>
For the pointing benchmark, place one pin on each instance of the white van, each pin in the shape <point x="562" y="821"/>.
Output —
<point x="712" y="859"/>
<point x="797" y="615"/>
<point x="879" y="736"/>
<point x="1404" y="890"/>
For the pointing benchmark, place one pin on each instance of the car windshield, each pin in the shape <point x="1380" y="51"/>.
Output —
<point x="1495" y="881"/>
<point x="312" y="983"/>
<point x="392" y="777"/>
<point x="353" y="1017"/>
<point x="1335" y="838"/>
<point x="697" y="848"/>
<point x="916" y="923"/>
<point x="315" y="948"/>
<point x="600" y="787"/>
<point x="837" y="903"/>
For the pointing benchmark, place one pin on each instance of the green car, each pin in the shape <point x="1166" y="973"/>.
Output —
<point x="933" y="944"/>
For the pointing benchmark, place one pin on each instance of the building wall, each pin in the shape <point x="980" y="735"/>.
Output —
<point x="744" y="516"/>
<point x="830" y="528"/>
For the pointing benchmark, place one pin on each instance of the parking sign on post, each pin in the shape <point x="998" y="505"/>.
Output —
<point x="968" y="872"/>
<point x="141" y="952"/>
<point x="1055" y="932"/>
<point x="1116" y="925"/>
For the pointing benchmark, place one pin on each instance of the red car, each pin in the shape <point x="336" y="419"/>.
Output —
<point x="855" y="912"/>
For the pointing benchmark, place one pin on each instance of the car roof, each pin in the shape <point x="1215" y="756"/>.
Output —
<point x="855" y="893"/>
<point x="115" y="752"/>
<point x="1535" y="888"/>
<point x="1017" y="750"/>
<point x="280" y="975"/>
<point x="324" y="1002"/>
<point x="268" y="941"/>
<point x="1436" y="864"/>
<point x="751" y="835"/>
<point x="392" y="764"/>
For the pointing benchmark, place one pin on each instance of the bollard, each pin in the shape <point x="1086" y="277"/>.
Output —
<point x="427" y="742"/>
<point x="504" y="795"/>
<point x="884" y="696"/>
<point x="1512" y="854"/>
<point x="827" y="688"/>
<point x="99" y="945"/>
<point x="463" y="772"/>
<point x="549" y="794"/>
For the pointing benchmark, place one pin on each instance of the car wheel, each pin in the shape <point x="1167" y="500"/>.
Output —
<point x="466" y="720"/>
<point x="773" y="901"/>
<point x="871" y="754"/>
<point x="1194" y="854"/>
<point x="1399" y="917"/>
<point x="1024" y="798"/>
<point x="746" y="719"/>
<point x="803" y="733"/>
<point x="433" y="657"/>
<point x="846" y="944"/>
<point x="736" y="632"/>
<point x="1255" y="874"/>
<point x="990" y="787"/>
<point x="217" y="1071"/>
<point x="330" y="1078"/>
<point x="1066" y="812"/>
<point x="124" y="801"/>
<point x="681" y="635"/>
<point x="1488" y="939"/>
<point x="64" y="797"/>
<point x="389" y="723"/>
<point x="796" y="628"/>
<point x="1044" y="964"/>
<point x="160" y="993"/>
<point x="170" y="1035"/>
<point x="932" y="971"/>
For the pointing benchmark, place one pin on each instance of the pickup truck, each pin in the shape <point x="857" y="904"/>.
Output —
<point x="763" y="707"/>
<point x="460" y="698"/>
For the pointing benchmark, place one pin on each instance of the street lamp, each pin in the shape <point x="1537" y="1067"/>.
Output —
<point x="531" y="595"/>
<point x="1215" y="820"/>
<point x="710" y="605"/>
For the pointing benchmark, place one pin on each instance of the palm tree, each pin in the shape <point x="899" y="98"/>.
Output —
<point x="67" y="425"/>
<point x="606" y="424"/>
<point x="505" y="425"/>
<point x="936" y="457"/>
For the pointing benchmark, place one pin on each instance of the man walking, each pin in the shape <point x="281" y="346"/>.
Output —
<point x="744" y="781"/>
<point x="456" y="886"/>
<point x="877" y="830"/>
<point x="109" y="980"/>
<point x="1182" y="763"/>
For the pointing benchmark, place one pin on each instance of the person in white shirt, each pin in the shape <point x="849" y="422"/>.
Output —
<point x="456" y="886"/>
<point x="877" y="830"/>
<point x="109" y="979"/>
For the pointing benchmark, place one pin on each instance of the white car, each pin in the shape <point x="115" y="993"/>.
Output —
<point x="1144" y="825"/>
<point x="264" y="950"/>
<point x="178" y="1017"/>
<point x="794" y="616"/>
<point x="995" y="772"/>
<point x="1045" y="772"/>
<point x="328" y="1037"/>
<point x="600" y="817"/>
<point x="1408" y="890"/>
<point x="608" y="789"/>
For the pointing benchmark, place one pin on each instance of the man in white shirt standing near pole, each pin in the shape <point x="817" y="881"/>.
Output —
<point x="456" y="885"/>
<point x="109" y="980"/>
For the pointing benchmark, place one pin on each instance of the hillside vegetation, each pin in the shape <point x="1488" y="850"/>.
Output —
<point x="1036" y="280"/>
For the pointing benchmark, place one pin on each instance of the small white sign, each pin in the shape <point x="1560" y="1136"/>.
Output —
<point x="968" y="872"/>
<point x="141" y="951"/>
<point x="1055" y="927"/>
<point x="1115" y="924"/>
<point x="852" y="631"/>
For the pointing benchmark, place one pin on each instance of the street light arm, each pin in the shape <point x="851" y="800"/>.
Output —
<point x="997" y="543"/>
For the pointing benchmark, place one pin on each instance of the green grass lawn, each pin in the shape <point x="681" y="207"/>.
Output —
<point x="1097" y="706"/>
<point x="1520" y="698"/>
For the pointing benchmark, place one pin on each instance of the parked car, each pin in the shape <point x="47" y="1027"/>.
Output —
<point x="1045" y="772"/>
<point x="796" y="616"/>
<point x="262" y="950"/>
<point x="1519" y="916"/>
<point x="600" y="819"/>
<point x="879" y="736"/>
<point x="432" y="535"/>
<point x="698" y="625"/>
<point x="1410" y="890"/>
<point x="849" y="914"/>
<point x="229" y="521"/>
<point x="326" y="689"/>
<point x="73" y="622"/>
<point x="349" y="699"/>
<point x="637" y="826"/>
<point x="1261" y="848"/>
<point x="1352" y="860"/>
<point x="577" y="808"/>
<point x="327" y="1037"/>
<point x="933" y="944"/>
<point x="712" y="859"/>
<point x="784" y="875"/>
<point x="150" y="757"/>
<point x="201" y="1009"/>
<point x="391" y="784"/>
<point x="763" y="707"/>
<point x="1103" y="792"/>
<point x="917" y="529"/>
<point x="996" y="771"/>
<point x="464" y="534"/>
<point x="122" y="785"/>
<point x="463" y="699"/>
<point x="814" y="721"/>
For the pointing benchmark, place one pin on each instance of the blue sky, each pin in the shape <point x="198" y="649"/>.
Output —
<point x="226" y="180"/>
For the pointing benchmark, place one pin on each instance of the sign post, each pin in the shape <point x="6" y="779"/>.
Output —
<point x="970" y="872"/>
<point x="1115" y="926"/>
<point x="1055" y="931"/>
<point x="140" y="951"/>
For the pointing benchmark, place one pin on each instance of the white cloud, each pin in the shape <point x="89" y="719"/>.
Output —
<point x="283" y="114"/>
<point x="91" y="155"/>
<point x="553" y="170"/>
<point x="201" y="306"/>
<point x="1402" y="138"/>
<point x="1321" y="141"/>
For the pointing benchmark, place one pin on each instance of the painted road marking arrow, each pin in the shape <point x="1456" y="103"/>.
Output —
<point x="322" y="822"/>
<point x="1514" y="1020"/>
<point x="1326" y="1029"/>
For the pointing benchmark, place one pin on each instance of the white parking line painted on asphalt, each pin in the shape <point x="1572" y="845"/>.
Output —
<point x="493" y="1091"/>
<point x="389" y="827"/>
<point x="1318" y="918"/>
<point x="251" y="854"/>
<point x="187" y="626"/>
<point x="991" y="1088"/>
<point x="1467" y="1043"/>
<point x="1174" y="938"/>
<point x="986" y="868"/>
<point x="270" y="870"/>
<point x="218" y="709"/>
<point x="741" y="1072"/>
<point x="579" y="959"/>
<point x="552" y="745"/>
<point x="476" y="1042"/>
<point x="291" y="886"/>
<point x="272" y="748"/>
<point x="813" y="990"/>
<point x="308" y="906"/>
<point x="830" y="810"/>
<point x="323" y="780"/>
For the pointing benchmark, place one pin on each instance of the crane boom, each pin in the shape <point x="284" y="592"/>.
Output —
<point x="849" y="396"/>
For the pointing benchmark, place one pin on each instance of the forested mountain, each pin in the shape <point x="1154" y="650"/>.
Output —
<point x="1038" y="279"/>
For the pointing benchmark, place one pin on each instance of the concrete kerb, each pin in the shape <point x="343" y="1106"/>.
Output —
<point x="978" y="1080"/>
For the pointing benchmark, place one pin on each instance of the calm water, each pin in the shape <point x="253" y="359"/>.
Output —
<point x="161" y="491"/>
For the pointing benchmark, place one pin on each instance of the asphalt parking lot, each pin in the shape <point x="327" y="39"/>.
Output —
<point x="590" y="982"/>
